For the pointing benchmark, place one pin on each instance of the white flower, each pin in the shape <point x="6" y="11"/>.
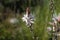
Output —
<point x="13" y="20"/>
<point x="29" y="20"/>
<point x="49" y="28"/>
<point x="55" y="20"/>
<point x="58" y="18"/>
<point x="51" y="23"/>
<point x="53" y="28"/>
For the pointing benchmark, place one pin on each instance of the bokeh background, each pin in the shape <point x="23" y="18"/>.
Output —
<point x="17" y="30"/>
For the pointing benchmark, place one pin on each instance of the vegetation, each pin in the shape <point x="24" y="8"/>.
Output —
<point x="19" y="31"/>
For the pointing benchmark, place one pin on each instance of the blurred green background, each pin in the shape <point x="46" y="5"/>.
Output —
<point x="19" y="31"/>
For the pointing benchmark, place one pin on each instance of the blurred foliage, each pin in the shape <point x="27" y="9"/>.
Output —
<point x="20" y="31"/>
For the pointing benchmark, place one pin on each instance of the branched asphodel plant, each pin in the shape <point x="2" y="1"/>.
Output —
<point x="29" y="19"/>
<point x="54" y="23"/>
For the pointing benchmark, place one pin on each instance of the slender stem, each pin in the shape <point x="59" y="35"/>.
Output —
<point x="34" y="36"/>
